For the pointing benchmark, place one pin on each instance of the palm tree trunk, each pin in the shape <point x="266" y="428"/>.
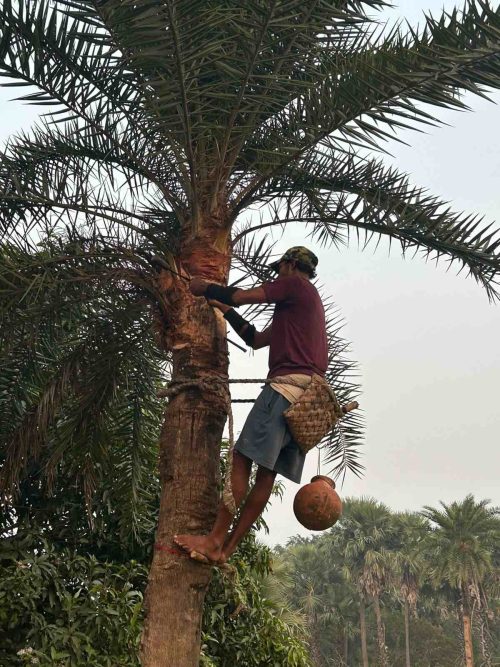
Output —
<point x="362" y="629"/>
<point x="407" y="633"/>
<point x="483" y="627"/>
<point x="189" y="466"/>
<point x="382" y="653"/>
<point x="466" y="619"/>
<point x="469" y="657"/>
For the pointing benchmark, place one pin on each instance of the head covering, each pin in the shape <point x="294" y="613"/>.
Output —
<point x="299" y="254"/>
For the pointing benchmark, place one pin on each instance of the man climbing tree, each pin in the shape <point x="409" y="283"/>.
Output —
<point x="173" y="123"/>
<point x="297" y="343"/>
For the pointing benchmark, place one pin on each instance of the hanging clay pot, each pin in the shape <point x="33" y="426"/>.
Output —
<point x="317" y="505"/>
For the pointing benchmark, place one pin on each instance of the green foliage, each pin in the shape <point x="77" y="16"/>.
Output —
<point x="58" y="607"/>
<point x="64" y="608"/>
<point x="241" y="625"/>
<point x="432" y="643"/>
<point x="463" y="542"/>
<point x="71" y="591"/>
<point x="169" y="120"/>
<point x="80" y="372"/>
<point x="236" y="112"/>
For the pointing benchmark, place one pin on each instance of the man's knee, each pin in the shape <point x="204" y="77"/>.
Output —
<point x="265" y="475"/>
<point x="242" y="460"/>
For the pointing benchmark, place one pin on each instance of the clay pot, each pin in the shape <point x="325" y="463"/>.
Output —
<point x="317" y="505"/>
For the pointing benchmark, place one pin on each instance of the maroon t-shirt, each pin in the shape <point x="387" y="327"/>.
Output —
<point x="298" y="336"/>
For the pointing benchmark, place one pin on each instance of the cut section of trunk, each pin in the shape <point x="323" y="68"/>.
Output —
<point x="469" y="656"/>
<point x="467" y="626"/>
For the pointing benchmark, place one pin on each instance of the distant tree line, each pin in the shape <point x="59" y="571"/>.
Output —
<point x="419" y="589"/>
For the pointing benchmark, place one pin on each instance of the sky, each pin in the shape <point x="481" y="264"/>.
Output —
<point x="425" y="339"/>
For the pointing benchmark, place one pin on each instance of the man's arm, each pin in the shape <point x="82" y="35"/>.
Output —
<point x="229" y="295"/>
<point x="262" y="339"/>
<point x="243" y="297"/>
<point x="246" y="331"/>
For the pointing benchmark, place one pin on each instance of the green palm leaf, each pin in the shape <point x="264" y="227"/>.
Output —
<point x="78" y="388"/>
<point x="348" y="196"/>
<point x="379" y="86"/>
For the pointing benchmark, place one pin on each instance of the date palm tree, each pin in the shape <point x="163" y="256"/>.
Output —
<point x="465" y="536"/>
<point x="172" y="119"/>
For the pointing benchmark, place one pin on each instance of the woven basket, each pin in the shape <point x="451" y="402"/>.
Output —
<point x="314" y="414"/>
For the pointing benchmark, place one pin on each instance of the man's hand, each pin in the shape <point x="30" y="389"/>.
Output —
<point x="217" y="304"/>
<point x="198" y="286"/>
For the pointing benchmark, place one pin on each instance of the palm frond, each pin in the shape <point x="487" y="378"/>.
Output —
<point x="378" y="86"/>
<point x="47" y="283"/>
<point x="345" y="196"/>
<point x="214" y="73"/>
<point x="73" y="66"/>
<point x="341" y="448"/>
<point x="42" y="47"/>
<point x="80" y="374"/>
<point x="56" y="185"/>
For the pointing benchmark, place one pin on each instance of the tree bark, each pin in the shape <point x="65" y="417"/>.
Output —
<point x="382" y="653"/>
<point x="189" y="459"/>
<point x="466" y="618"/>
<point x="407" y="633"/>
<point x="362" y="629"/>
<point x="469" y="656"/>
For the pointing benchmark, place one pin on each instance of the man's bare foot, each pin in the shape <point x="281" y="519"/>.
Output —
<point x="200" y="545"/>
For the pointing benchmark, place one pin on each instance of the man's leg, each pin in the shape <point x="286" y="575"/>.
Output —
<point x="253" y="508"/>
<point x="211" y="545"/>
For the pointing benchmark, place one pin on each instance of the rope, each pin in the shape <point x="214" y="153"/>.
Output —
<point x="275" y="380"/>
<point x="227" y="492"/>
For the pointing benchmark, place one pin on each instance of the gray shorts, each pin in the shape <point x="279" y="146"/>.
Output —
<point x="265" y="437"/>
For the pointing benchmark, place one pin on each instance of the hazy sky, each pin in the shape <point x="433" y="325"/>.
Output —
<point x="426" y="339"/>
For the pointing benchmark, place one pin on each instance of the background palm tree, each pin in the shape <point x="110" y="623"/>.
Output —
<point x="410" y="531"/>
<point x="170" y="120"/>
<point x="362" y="540"/>
<point x="315" y="585"/>
<point x="460" y="548"/>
